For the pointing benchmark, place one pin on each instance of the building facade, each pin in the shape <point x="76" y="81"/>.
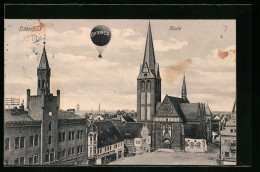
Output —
<point x="105" y="143"/>
<point x="228" y="145"/>
<point x="137" y="137"/>
<point x="167" y="120"/>
<point x="44" y="134"/>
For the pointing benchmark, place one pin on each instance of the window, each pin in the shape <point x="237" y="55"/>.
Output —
<point x="39" y="83"/>
<point x="31" y="141"/>
<point x="21" y="142"/>
<point x="142" y="85"/>
<point x="50" y="126"/>
<point x="36" y="159"/>
<point x="144" y="140"/>
<point x="16" y="140"/>
<point x="81" y="134"/>
<point x="64" y="153"/>
<point x="81" y="148"/>
<point x="50" y="140"/>
<point x="78" y="135"/>
<point x="100" y="150"/>
<point x="59" y="154"/>
<point x="73" y="135"/>
<point x="198" y="144"/>
<point x="109" y="147"/>
<point x="60" y="137"/>
<point x="7" y="144"/>
<point x="78" y="149"/>
<point x="16" y="161"/>
<point x="90" y="151"/>
<point x="73" y="151"/>
<point x="52" y="155"/>
<point x="22" y="161"/>
<point x="69" y="151"/>
<point x="36" y="140"/>
<point x="226" y="154"/>
<point x="63" y="136"/>
<point x="43" y="83"/>
<point x="148" y="85"/>
<point x="115" y="146"/>
<point x="47" y="156"/>
<point x="231" y="130"/>
<point x="31" y="160"/>
<point x="94" y="150"/>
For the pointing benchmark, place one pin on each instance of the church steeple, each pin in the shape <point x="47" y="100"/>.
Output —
<point x="184" y="91"/>
<point x="148" y="82"/>
<point x="235" y="106"/>
<point x="149" y="57"/>
<point x="43" y="73"/>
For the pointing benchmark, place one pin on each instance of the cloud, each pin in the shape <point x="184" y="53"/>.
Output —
<point x="170" y="44"/>
<point x="172" y="72"/>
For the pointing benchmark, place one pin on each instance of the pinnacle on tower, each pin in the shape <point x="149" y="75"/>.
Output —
<point x="184" y="91"/>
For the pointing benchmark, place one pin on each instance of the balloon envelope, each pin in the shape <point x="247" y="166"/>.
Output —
<point x="100" y="35"/>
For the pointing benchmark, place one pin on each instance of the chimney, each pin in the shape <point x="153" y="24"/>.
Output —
<point x="58" y="98"/>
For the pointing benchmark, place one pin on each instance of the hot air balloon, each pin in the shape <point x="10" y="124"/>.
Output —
<point x="100" y="36"/>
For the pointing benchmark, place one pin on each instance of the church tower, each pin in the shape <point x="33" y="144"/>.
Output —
<point x="43" y="73"/>
<point x="148" y="83"/>
<point x="184" y="91"/>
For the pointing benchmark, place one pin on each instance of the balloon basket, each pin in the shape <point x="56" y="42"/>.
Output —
<point x="100" y="56"/>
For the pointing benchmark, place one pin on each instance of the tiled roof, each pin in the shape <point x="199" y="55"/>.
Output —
<point x="176" y="103"/>
<point x="190" y="111"/>
<point x="194" y="131"/>
<point x="130" y="129"/>
<point x="67" y="115"/>
<point x="16" y="115"/>
<point x="107" y="133"/>
<point x="128" y="118"/>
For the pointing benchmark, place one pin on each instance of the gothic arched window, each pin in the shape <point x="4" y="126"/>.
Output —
<point x="50" y="140"/>
<point x="142" y="85"/>
<point x="47" y="156"/>
<point x="43" y="83"/>
<point x="148" y="85"/>
<point x="52" y="155"/>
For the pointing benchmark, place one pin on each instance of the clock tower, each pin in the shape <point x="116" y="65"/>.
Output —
<point x="148" y="83"/>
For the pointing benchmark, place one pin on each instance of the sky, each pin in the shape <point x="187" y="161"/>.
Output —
<point x="203" y="50"/>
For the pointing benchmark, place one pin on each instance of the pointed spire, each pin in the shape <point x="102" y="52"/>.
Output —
<point x="149" y="57"/>
<point x="184" y="91"/>
<point x="235" y="106"/>
<point x="44" y="60"/>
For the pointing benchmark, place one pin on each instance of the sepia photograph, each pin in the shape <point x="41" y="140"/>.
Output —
<point x="120" y="92"/>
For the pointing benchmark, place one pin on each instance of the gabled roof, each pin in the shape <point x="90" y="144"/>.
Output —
<point x="128" y="118"/>
<point x="194" y="131"/>
<point x="68" y="115"/>
<point x="190" y="111"/>
<point x="44" y="60"/>
<point x="130" y="129"/>
<point x="107" y="133"/>
<point x="16" y="115"/>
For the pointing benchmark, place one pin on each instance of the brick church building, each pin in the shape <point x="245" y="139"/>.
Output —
<point x="173" y="122"/>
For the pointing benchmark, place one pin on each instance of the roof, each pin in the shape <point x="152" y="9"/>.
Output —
<point x="128" y="118"/>
<point x="16" y="115"/>
<point x="190" y="111"/>
<point x="149" y="56"/>
<point x="107" y="133"/>
<point x="67" y="115"/>
<point x="176" y="103"/>
<point x="130" y="129"/>
<point x="194" y="131"/>
<point x="44" y="60"/>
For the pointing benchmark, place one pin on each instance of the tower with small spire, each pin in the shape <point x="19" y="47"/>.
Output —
<point x="184" y="91"/>
<point x="44" y="107"/>
<point x="148" y="82"/>
<point x="43" y="73"/>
